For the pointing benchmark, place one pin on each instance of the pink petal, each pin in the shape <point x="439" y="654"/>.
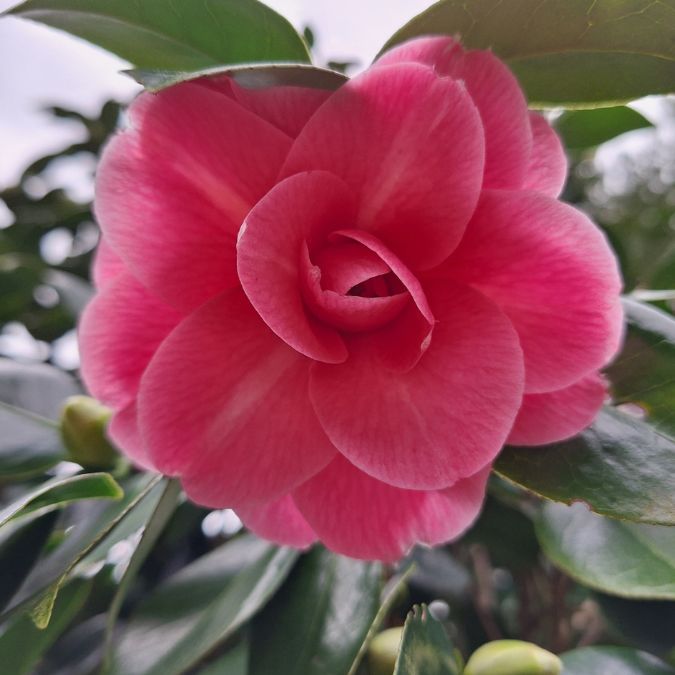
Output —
<point x="410" y="146"/>
<point x="548" y="164"/>
<point x="441" y="421"/>
<point x="278" y="521"/>
<point x="359" y="516"/>
<point x="558" y="415"/>
<point x="552" y="272"/>
<point x="106" y="264"/>
<point x="224" y="404"/>
<point x="347" y="264"/>
<point x="120" y="330"/>
<point x="495" y="92"/>
<point x="304" y="207"/>
<point x="181" y="182"/>
<point x="125" y="434"/>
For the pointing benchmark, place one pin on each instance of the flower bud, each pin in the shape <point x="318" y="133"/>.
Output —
<point x="83" y="424"/>
<point x="383" y="651"/>
<point x="512" y="657"/>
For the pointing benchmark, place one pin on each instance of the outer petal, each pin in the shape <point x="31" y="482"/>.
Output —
<point x="106" y="264"/>
<point x="304" y="207"/>
<point x="181" y="182"/>
<point x="558" y="415"/>
<point x="120" y="330"/>
<point x="124" y="432"/>
<point x="439" y="422"/>
<point x="552" y="272"/>
<point x="224" y="404"/>
<point x="410" y="146"/>
<point x="362" y="517"/>
<point x="548" y="164"/>
<point x="497" y="95"/>
<point x="278" y="521"/>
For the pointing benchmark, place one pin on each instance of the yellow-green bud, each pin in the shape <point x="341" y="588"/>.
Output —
<point x="512" y="657"/>
<point x="383" y="651"/>
<point x="83" y="425"/>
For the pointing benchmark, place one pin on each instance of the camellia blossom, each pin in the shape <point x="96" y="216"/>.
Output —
<point x="331" y="310"/>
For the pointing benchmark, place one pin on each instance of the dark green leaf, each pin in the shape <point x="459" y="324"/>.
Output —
<point x="318" y="621"/>
<point x="613" y="661"/>
<point x="621" y="467"/>
<point x="234" y="662"/>
<point x="58" y="492"/>
<point x="586" y="53"/>
<point x="588" y="128"/>
<point x="644" y="372"/>
<point x="22" y="644"/>
<point x="181" y="35"/>
<point x="250" y="77"/>
<point x="425" y="647"/>
<point x="620" y="558"/>
<point x="200" y="607"/>
<point x="20" y="546"/>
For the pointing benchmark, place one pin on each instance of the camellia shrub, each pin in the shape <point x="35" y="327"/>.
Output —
<point x="359" y="318"/>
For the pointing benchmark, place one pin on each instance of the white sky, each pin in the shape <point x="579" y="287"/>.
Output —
<point x="40" y="66"/>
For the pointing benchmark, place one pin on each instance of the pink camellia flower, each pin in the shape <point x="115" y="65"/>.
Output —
<point x="330" y="310"/>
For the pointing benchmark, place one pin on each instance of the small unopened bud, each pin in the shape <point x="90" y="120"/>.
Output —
<point x="512" y="657"/>
<point x="83" y="424"/>
<point x="383" y="651"/>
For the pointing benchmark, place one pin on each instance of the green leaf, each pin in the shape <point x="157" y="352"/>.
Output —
<point x="425" y="647"/>
<point x="644" y="372"/>
<point x="200" y="607"/>
<point x="59" y="492"/>
<point x="234" y="662"/>
<point x="588" y="128"/>
<point x="180" y="35"/>
<point x="620" y="466"/>
<point x="30" y="398"/>
<point x="616" y="557"/>
<point x="250" y="77"/>
<point x="318" y="621"/>
<point x="22" y="644"/>
<point x="583" y="54"/>
<point x="614" y="661"/>
<point x="20" y="546"/>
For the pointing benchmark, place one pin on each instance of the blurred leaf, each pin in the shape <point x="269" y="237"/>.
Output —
<point x="61" y="491"/>
<point x="183" y="34"/>
<point x="234" y="662"/>
<point x="620" y="466"/>
<point x="74" y="292"/>
<point x="20" y="546"/>
<point x="616" y="557"/>
<point x="22" y="644"/>
<point x="587" y="53"/>
<point x="250" y="77"/>
<point x="185" y="618"/>
<point x="644" y="372"/>
<point x="425" y="647"/>
<point x="613" y="661"/>
<point x="437" y="574"/>
<point x="588" y="128"/>
<point x="319" y="619"/>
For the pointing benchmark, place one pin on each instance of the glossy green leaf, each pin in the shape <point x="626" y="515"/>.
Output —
<point x="587" y="128"/>
<point x="251" y="77"/>
<point x="613" y="661"/>
<point x="425" y="647"/>
<point x="180" y="35"/>
<point x="644" y="372"/>
<point x="20" y="546"/>
<point x="586" y="53"/>
<point x="233" y="662"/>
<point x="30" y="398"/>
<point x="200" y="607"/>
<point x="621" y="467"/>
<point x="22" y="644"/>
<point x="620" y="558"/>
<point x="319" y="619"/>
<point x="59" y="492"/>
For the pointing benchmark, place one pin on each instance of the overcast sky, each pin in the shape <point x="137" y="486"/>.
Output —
<point x="40" y="66"/>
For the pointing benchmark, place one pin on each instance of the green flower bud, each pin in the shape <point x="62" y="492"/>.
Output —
<point x="512" y="657"/>
<point x="383" y="651"/>
<point x="83" y="425"/>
